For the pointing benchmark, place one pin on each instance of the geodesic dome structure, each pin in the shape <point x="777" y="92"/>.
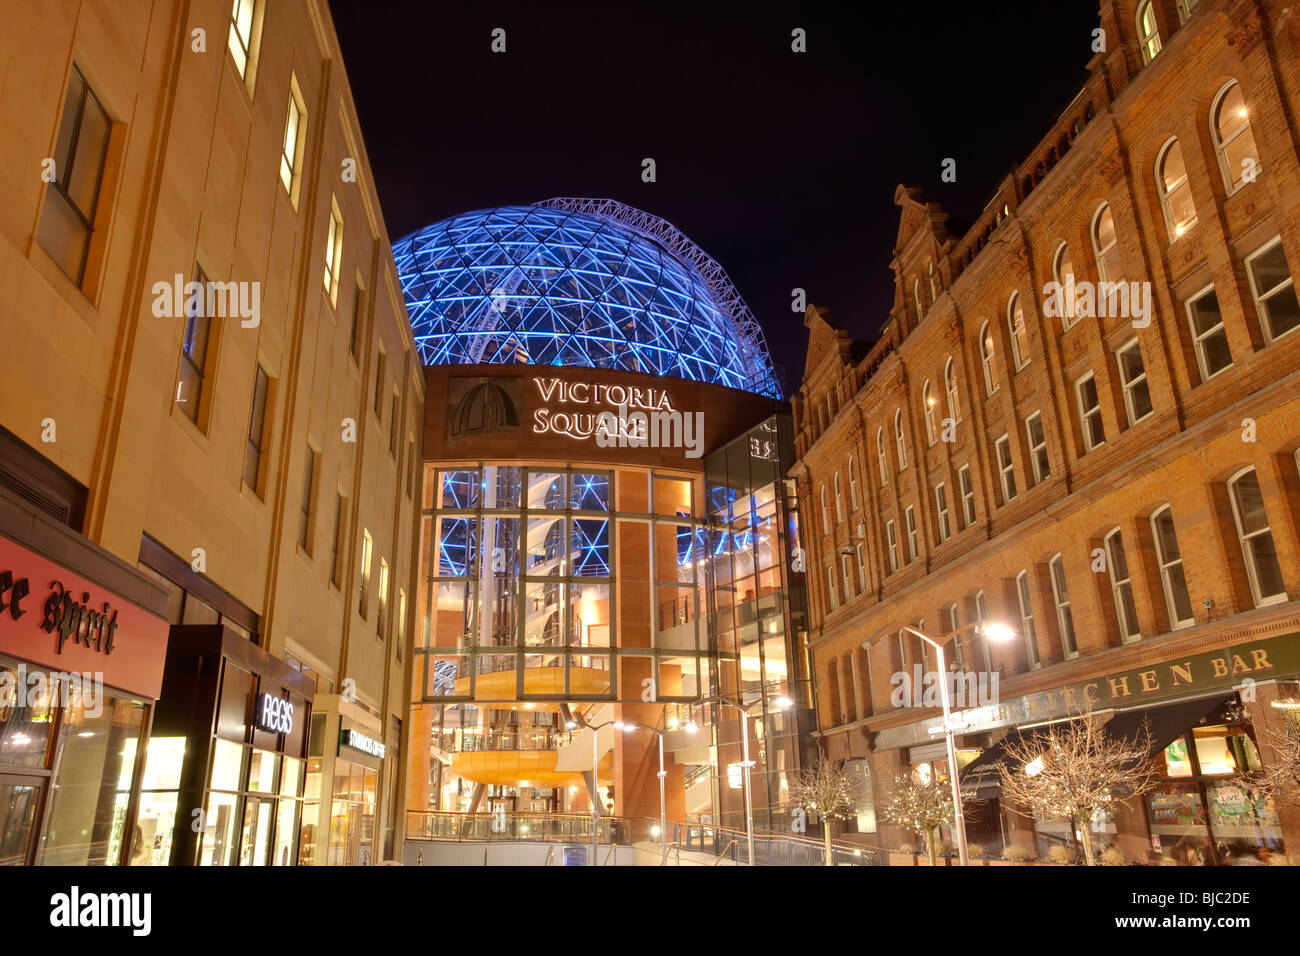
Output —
<point x="578" y="282"/>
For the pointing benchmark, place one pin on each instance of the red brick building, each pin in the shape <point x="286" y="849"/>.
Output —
<point x="1111" y="469"/>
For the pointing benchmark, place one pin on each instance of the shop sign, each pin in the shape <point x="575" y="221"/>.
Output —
<point x="1227" y="669"/>
<point x="62" y="613"/>
<point x="1230" y="801"/>
<point x="349" y="737"/>
<point x="77" y="625"/>
<point x="633" y="416"/>
<point x="274" y="714"/>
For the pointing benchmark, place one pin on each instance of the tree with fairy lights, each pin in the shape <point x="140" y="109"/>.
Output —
<point x="920" y="801"/>
<point x="1074" y="769"/>
<point x="829" y="791"/>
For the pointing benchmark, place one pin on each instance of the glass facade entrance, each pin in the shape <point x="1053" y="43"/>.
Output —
<point x="558" y="594"/>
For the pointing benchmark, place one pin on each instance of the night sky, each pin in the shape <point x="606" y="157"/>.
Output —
<point x="780" y="165"/>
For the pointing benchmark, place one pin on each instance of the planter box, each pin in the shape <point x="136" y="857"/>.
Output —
<point x="902" y="859"/>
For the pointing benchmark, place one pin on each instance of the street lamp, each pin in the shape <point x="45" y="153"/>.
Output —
<point x="997" y="633"/>
<point x="580" y="721"/>
<point x="690" y="728"/>
<point x="781" y="703"/>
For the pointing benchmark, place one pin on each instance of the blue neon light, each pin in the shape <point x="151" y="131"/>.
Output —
<point x="549" y="286"/>
<point x="590" y="547"/>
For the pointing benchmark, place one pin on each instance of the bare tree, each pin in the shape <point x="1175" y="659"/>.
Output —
<point x="920" y="802"/>
<point x="1284" y="777"/>
<point x="830" y="791"/>
<point x="1072" y="770"/>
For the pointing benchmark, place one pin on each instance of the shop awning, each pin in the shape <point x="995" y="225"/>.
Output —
<point x="981" y="780"/>
<point x="1165" y="724"/>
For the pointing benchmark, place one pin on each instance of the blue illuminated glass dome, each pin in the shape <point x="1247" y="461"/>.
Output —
<point x="578" y="282"/>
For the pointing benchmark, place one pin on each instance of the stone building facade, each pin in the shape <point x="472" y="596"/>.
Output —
<point x="1110" y="466"/>
<point x="249" y="453"/>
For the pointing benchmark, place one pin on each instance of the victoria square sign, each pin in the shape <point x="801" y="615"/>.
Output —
<point x="616" y="416"/>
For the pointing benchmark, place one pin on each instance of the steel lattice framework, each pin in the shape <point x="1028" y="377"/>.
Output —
<point x="578" y="282"/>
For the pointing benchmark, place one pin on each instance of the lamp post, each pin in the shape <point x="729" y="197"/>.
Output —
<point x="663" y="810"/>
<point x="781" y="703"/>
<point x="993" y="632"/>
<point x="580" y="721"/>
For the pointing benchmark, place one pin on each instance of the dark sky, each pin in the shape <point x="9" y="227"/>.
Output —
<point x="780" y="165"/>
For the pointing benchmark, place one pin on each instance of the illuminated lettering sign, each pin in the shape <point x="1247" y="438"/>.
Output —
<point x="274" y="714"/>
<point x="620" y="404"/>
<point x="1232" y="668"/>
<point x="348" y="737"/>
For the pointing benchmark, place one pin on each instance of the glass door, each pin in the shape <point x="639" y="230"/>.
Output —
<point x="20" y="803"/>
<point x="255" y="840"/>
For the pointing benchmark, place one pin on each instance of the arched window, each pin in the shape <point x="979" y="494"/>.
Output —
<point x="882" y="456"/>
<point x="987" y="353"/>
<point x="1256" y="537"/>
<point x="898" y="439"/>
<point x="1170" y="558"/>
<point x="1063" y="272"/>
<point x="1028" y="630"/>
<point x="916" y="297"/>
<point x="1148" y="33"/>
<point x="952" y="621"/>
<point x="1019" y="333"/>
<point x="934" y="284"/>
<point x="1234" y="140"/>
<point x="950" y="386"/>
<point x="853" y="485"/>
<point x="839" y="500"/>
<point x="1061" y="597"/>
<point x="1175" y="190"/>
<point x="1121" y="586"/>
<point x="826" y="512"/>
<point x="1105" y="246"/>
<point x="1185" y="8"/>
<point x="928" y="402"/>
<point x="982" y="616"/>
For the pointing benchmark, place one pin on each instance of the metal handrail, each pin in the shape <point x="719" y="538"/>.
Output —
<point x="778" y="848"/>
<point x="769" y="835"/>
<point x="540" y="827"/>
<point x="723" y="854"/>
